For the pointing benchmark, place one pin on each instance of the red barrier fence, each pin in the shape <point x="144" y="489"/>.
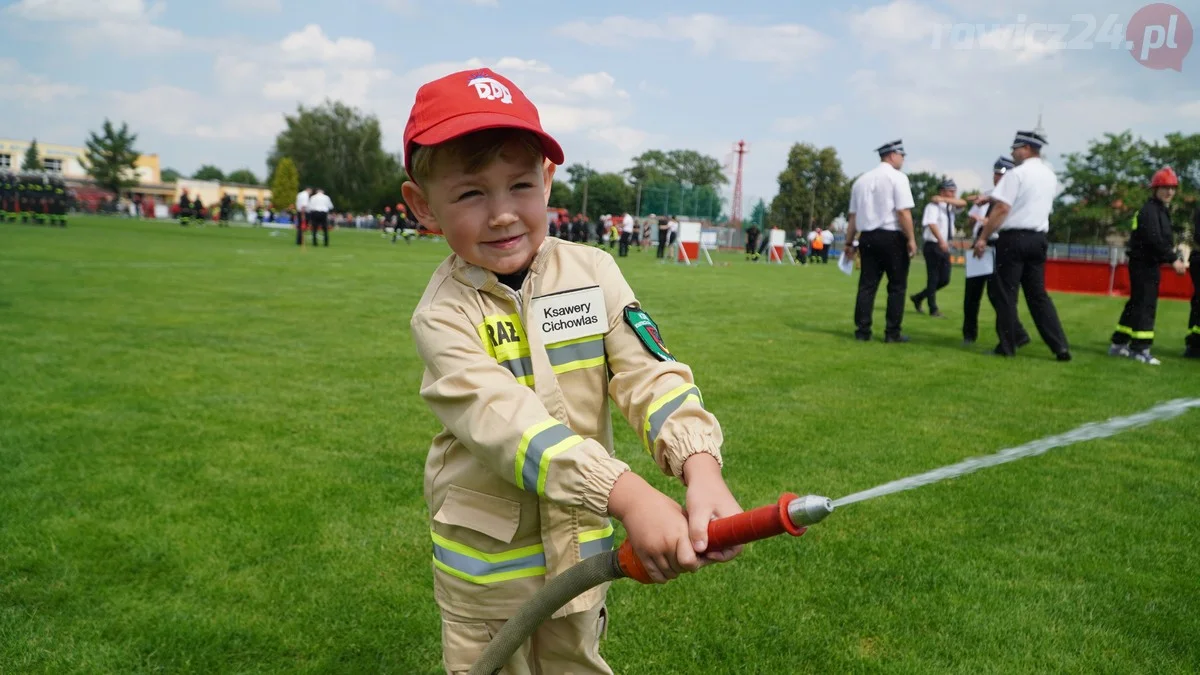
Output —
<point x="1079" y="276"/>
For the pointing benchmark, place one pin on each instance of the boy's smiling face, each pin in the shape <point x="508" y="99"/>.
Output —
<point x="493" y="217"/>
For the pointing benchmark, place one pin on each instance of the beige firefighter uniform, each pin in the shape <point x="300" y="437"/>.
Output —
<point x="518" y="480"/>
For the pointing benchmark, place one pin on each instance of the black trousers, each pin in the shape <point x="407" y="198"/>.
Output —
<point x="662" y="243"/>
<point x="1136" y="326"/>
<point x="1021" y="264"/>
<point x="972" y="295"/>
<point x="937" y="274"/>
<point x="301" y="221"/>
<point x="623" y="250"/>
<point x="319" y="220"/>
<point x="881" y="252"/>
<point x="1193" y="338"/>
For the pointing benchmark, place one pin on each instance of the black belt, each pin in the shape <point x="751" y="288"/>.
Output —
<point x="1022" y="233"/>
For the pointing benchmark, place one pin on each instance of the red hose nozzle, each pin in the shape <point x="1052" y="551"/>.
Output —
<point x="790" y="514"/>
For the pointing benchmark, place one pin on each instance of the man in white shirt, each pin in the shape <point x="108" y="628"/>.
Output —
<point x="302" y="199"/>
<point x="881" y="205"/>
<point x="973" y="289"/>
<point x="937" y="230"/>
<point x="319" y="206"/>
<point x="827" y="240"/>
<point x="1021" y="206"/>
<point x="626" y="235"/>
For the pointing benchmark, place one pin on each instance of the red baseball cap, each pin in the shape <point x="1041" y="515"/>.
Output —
<point x="469" y="101"/>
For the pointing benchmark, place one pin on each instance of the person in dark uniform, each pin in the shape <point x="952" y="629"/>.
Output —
<point x="58" y="202"/>
<point x="198" y="210"/>
<point x="881" y="205"/>
<point x="1021" y="206"/>
<point x="1150" y="246"/>
<point x="752" y="242"/>
<point x="1192" y="342"/>
<point x="8" y="191"/>
<point x="226" y="210"/>
<point x="185" y="209"/>
<point x="973" y="291"/>
<point x="663" y="224"/>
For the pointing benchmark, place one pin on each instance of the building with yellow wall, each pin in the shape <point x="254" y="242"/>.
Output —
<point x="70" y="162"/>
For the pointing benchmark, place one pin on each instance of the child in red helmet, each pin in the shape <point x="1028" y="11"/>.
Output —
<point x="1150" y="246"/>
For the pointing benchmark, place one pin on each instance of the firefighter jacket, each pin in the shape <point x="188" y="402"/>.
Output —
<point x="517" y="481"/>
<point x="1152" y="239"/>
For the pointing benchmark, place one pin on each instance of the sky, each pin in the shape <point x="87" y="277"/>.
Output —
<point x="210" y="82"/>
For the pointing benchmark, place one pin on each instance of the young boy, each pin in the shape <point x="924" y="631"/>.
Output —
<point x="1150" y="246"/>
<point x="524" y="338"/>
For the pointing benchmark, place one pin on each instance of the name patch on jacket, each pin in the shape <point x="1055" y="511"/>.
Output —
<point x="569" y="315"/>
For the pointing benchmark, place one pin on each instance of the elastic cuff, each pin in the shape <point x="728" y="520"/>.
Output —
<point x="684" y="446"/>
<point x="598" y="483"/>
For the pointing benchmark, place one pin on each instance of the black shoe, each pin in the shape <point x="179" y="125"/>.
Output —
<point x="1063" y="356"/>
<point x="896" y="338"/>
<point x="1023" y="341"/>
<point x="996" y="351"/>
<point x="967" y="342"/>
<point x="936" y="314"/>
<point x="916" y="303"/>
<point x="1190" y="353"/>
<point x="862" y="338"/>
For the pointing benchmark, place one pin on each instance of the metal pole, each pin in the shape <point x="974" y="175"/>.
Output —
<point x="638" y="206"/>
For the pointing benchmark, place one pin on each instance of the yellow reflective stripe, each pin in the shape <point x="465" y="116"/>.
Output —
<point x="544" y="467"/>
<point x="523" y="448"/>
<point x="1196" y="330"/>
<point x="577" y="354"/>
<point x="503" y="336"/>
<point x="478" y="567"/>
<point x="593" y="535"/>
<point x="674" y="399"/>
<point x="1135" y="220"/>
<point x="1136" y="334"/>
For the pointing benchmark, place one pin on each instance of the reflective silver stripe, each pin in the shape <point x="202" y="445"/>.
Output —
<point x="590" y="548"/>
<point x="660" y="416"/>
<point x="580" y="351"/>
<point x="519" y="367"/>
<point x="538" y="445"/>
<point x="479" y="568"/>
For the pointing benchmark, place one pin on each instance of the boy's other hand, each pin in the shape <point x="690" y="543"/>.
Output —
<point x="657" y="528"/>
<point x="707" y="498"/>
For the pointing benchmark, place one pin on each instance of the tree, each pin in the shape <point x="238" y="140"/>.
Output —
<point x="609" y="193"/>
<point x="811" y="189"/>
<point x="758" y="215"/>
<point x="561" y="196"/>
<point x="577" y="173"/>
<point x="33" y="159"/>
<point x="285" y="183"/>
<point x="170" y="175"/>
<point x="243" y="176"/>
<point x="340" y="149"/>
<point x="209" y="172"/>
<point x="924" y="186"/>
<point x="111" y="157"/>
<point x="1103" y="187"/>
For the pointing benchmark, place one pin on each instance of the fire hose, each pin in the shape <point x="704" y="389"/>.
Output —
<point x="790" y="514"/>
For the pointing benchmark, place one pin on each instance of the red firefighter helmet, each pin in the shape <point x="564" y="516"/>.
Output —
<point x="1164" y="177"/>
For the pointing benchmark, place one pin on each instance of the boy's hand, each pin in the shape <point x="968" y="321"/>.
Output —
<point x="657" y="528"/>
<point x="707" y="498"/>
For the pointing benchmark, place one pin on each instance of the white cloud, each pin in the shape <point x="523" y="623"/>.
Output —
<point x="784" y="44"/>
<point x="899" y="22"/>
<point x="248" y="6"/>
<point x="83" y="10"/>
<point x="182" y="112"/>
<point x="26" y="88"/>
<point x="311" y="44"/>
<point x="625" y="139"/>
<point x="796" y="124"/>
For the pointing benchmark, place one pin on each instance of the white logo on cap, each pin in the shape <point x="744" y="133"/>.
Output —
<point x="490" y="89"/>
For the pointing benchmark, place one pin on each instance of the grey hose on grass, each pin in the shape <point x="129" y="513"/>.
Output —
<point x="589" y="573"/>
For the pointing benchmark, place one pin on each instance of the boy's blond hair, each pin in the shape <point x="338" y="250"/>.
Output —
<point x="475" y="151"/>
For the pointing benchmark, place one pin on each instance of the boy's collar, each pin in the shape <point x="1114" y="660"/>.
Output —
<point x="482" y="279"/>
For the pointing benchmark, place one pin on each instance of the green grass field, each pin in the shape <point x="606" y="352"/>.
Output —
<point x="211" y="451"/>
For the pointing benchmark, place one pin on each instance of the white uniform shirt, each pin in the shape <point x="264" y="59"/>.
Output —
<point x="981" y="213"/>
<point x="627" y="224"/>
<point x="937" y="216"/>
<point x="827" y="238"/>
<point x="1029" y="190"/>
<point x="320" y="202"/>
<point x="302" y="201"/>
<point x="877" y="195"/>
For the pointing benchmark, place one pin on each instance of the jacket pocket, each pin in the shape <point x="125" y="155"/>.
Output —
<point x="493" y="516"/>
<point x="463" y="644"/>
